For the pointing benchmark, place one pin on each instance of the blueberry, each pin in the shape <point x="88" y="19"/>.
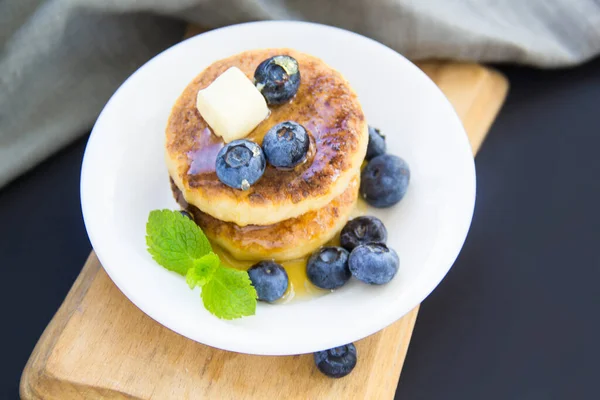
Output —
<point x="363" y="230"/>
<point x="277" y="78"/>
<point x="328" y="267"/>
<point x="240" y="164"/>
<point x="286" y="144"/>
<point x="376" y="145"/>
<point x="373" y="263"/>
<point x="384" y="180"/>
<point x="186" y="214"/>
<point x="337" y="362"/>
<point x="269" y="279"/>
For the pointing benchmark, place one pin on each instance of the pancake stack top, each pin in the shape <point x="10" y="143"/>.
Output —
<point x="287" y="213"/>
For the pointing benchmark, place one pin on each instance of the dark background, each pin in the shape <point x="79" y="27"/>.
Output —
<point x="517" y="317"/>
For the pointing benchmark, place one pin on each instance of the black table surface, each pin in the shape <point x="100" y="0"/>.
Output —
<point x="517" y="317"/>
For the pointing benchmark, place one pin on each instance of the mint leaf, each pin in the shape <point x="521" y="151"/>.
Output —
<point x="175" y="241"/>
<point x="202" y="270"/>
<point x="229" y="294"/>
<point x="178" y="244"/>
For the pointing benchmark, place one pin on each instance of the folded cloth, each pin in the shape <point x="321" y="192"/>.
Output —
<point x="60" y="60"/>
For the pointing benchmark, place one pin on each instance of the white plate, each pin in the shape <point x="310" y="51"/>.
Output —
<point x="124" y="177"/>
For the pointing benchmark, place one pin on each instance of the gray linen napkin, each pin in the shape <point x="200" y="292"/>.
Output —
<point x="60" y="60"/>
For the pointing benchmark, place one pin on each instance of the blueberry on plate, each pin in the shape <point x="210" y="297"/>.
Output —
<point x="384" y="180"/>
<point x="373" y="263"/>
<point x="269" y="279"/>
<point x="376" y="146"/>
<point x="327" y="268"/>
<point x="186" y="214"/>
<point x="286" y="144"/>
<point x="278" y="79"/>
<point x="362" y="230"/>
<point x="337" y="362"/>
<point x="240" y="164"/>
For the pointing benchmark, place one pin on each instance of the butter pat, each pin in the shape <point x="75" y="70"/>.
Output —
<point x="232" y="105"/>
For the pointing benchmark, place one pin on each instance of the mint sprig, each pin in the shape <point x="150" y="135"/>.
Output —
<point x="178" y="244"/>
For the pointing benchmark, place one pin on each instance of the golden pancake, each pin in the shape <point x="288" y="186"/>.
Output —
<point x="286" y="240"/>
<point x="325" y="105"/>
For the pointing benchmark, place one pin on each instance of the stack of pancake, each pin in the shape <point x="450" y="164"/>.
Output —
<point x="287" y="214"/>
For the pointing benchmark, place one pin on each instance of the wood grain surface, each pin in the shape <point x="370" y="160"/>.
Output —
<point x="100" y="346"/>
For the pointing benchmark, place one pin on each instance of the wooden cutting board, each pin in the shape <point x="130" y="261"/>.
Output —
<point x="100" y="346"/>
